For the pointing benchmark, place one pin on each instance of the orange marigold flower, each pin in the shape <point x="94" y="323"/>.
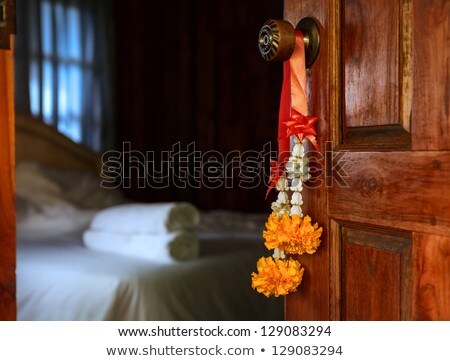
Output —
<point x="292" y="234"/>
<point x="277" y="277"/>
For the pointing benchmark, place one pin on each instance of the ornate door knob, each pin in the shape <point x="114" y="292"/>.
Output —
<point x="277" y="40"/>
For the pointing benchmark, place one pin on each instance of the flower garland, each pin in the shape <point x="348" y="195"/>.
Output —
<point x="288" y="232"/>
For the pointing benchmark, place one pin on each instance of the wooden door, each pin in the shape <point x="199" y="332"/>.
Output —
<point x="381" y="87"/>
<point x="7" y="213"/>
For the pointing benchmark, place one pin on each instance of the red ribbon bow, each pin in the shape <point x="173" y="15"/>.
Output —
<point x="302" y="127"/>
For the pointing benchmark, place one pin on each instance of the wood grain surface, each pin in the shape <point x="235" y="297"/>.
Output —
<point x="431" y="277"/>
<point x="7" y="212"/>
<point x="431" y="56"/>
<point x="393" y="189"/>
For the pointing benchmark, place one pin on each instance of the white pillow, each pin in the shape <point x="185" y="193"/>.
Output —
<point x="40" y="185"/>
<point x="82" y="188"/>
<point x="42" y="208"/>
<point x="51" y="221"/>
<point x="35" y="187"/>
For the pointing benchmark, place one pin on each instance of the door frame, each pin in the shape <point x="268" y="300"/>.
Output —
<point x="7" y="189"/>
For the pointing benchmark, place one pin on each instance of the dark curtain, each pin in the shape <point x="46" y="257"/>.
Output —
<point x="190" y="71"/>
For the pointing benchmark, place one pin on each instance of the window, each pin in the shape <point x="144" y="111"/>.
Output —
<point x="68" y="66"/>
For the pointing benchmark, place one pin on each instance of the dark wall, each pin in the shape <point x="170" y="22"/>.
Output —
<point x="190" y="71"/>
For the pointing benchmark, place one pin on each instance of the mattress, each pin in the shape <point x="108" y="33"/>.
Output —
<point x="60" y="279"/>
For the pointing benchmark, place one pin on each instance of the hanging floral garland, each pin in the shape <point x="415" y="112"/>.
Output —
<point x="288" y="232"/>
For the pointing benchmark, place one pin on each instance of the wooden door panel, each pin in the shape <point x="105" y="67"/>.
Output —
<point x="392" y="189"/>
<point x="374" y="265"/>
<point x="371" y="67"/>
<point x="374" y="274"/>
<point x="431" y="277"/>
<point x="377" y="75"/>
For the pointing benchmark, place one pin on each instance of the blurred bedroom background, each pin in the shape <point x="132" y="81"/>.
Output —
<point x="92" y="75"/>
<point x="152" y="74"/>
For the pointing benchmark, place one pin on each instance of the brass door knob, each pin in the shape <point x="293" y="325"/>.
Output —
<point x="276" y="40"/>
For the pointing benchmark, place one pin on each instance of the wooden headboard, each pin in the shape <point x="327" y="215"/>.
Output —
<point x="37" y="141"/>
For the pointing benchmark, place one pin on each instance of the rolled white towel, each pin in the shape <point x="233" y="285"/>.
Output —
<point x="152" y="218"/>
<point x="163" y="248"/>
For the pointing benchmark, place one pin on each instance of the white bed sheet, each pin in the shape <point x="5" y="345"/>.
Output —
<point x="63" y="280"/>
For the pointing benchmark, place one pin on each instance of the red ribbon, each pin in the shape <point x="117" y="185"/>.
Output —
<point x="292" y="117"/>
<point x="284" y="114"/>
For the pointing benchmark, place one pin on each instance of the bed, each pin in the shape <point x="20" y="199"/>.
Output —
<point x="58" y="278"/>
